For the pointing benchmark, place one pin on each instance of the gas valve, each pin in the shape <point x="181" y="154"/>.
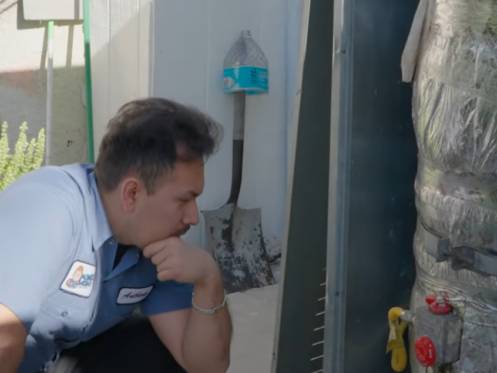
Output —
<point x="437" y="331"/>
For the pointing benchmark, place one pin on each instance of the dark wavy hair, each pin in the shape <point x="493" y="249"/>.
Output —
<point x="148" y="136"/>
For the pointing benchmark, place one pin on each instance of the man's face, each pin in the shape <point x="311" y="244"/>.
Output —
<point x="171" y="210"/>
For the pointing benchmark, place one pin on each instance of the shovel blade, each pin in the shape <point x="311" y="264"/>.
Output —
<point x="236" y="241"/>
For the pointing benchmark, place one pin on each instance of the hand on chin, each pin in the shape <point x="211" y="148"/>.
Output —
<point x="177" y="260"/>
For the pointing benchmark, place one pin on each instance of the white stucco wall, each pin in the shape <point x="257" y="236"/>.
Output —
<point x="188" y="41"/>
<point x="23" y="81"/>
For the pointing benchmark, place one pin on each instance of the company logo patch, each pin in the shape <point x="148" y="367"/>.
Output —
<point x="79" y="279"/>
<point x="133" y="295"/>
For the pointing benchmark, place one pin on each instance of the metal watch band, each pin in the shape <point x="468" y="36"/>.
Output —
<point x="212" y="311"/>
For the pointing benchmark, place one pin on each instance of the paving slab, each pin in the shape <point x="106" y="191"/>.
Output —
<point x="254" y="319"/>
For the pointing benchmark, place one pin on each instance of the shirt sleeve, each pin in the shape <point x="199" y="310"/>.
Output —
<point x="166" y="297"/>
<point x="36" y="229"/>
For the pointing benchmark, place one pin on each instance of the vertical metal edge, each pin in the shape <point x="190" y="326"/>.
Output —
<point x="295" y="125"/>
<point x="341" y="128"/>
<point x="151" y="62"/>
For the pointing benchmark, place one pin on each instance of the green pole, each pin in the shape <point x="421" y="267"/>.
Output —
<point x="89" y="102"/>
<point x="50" y="30"/>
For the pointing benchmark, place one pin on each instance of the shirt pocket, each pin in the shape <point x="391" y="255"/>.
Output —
<point x="63" y="326"/>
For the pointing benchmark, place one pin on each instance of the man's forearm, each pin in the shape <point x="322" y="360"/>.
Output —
<point x="207" y="341"/>
<point x="10" y="359"/>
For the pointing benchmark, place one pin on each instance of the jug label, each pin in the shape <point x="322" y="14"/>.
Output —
<point x="245" y="78"/>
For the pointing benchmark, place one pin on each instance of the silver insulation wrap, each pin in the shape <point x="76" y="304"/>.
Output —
<point x="455" y="119"/>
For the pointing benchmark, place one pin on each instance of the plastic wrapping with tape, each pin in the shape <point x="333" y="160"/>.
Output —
<point x="454" y="106"/>
<point x="455" y="120"/>
<point x="458" y="215"/>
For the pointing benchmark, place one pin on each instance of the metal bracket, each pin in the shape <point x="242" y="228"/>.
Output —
<point x="436" y="246"/>
<point x="462" y="257"/>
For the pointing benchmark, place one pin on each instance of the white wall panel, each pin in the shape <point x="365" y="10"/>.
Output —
<point x="120" y="46"/>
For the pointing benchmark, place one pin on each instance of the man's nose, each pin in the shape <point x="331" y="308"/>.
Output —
<point x="191" y="214"/>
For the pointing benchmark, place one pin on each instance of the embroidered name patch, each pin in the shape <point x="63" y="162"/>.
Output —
<point x="133" y="295"/>
<point x="79" y="279"/>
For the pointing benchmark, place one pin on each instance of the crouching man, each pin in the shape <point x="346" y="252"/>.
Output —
<point x="94" y="276"/>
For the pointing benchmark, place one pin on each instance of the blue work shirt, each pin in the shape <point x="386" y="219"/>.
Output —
<point x="56" y="264"/>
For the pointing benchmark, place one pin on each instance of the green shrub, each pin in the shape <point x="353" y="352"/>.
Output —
<point x="27" y="156"/>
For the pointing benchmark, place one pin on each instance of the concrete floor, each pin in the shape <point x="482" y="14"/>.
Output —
<point x="254" y="319"/>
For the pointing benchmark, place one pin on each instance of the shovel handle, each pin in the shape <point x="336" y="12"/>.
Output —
<point x="239" y="116"/>
<point x="238" y="135"/>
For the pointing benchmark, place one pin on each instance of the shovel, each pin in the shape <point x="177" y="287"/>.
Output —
<point x="234" y="235"/>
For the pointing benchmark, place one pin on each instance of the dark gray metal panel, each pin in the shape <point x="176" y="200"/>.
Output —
<point x="372" y="170"/>
<point x="300" y="332"/>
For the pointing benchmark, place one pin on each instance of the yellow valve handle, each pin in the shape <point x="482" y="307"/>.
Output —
<point x="396" y="339"/>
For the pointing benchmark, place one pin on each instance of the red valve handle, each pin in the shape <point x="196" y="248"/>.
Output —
<point x="425" y="351"/>
<point x="430" y="298"/>
<point x="438" y="305"/>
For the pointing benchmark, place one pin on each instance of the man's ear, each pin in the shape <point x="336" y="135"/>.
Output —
<point x="131" y="188"/>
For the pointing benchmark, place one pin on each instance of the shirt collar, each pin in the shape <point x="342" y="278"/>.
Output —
<point x="100" y="225"/>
